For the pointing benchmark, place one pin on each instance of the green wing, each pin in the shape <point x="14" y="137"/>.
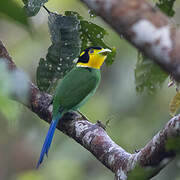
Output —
<point x="76" y="87"/>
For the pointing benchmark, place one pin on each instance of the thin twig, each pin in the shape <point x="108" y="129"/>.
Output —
<point x="49" y="12"/>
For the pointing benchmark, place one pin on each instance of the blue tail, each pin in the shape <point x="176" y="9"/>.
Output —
<point x="48" y="140"/>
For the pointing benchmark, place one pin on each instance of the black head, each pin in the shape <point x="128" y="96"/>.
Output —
<point x="84" y="58"/>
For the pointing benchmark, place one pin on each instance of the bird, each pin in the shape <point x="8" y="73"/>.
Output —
<point x="75" y="89"/>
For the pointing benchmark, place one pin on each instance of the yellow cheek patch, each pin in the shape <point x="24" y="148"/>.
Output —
<point x="95" y="61"/>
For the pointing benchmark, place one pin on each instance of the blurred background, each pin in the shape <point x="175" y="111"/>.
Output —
<point x="133" y="118"/>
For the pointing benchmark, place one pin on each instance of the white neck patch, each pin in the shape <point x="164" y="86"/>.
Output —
<point x="79" y="65"/>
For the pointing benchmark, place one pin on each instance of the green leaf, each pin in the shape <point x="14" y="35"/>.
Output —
<point x="70" y="34"/>
<point x="166" y="6"/>
<point x="65" y="48"/>
<point x="11" y="9"/>
<point x="32" y="7"/>
<point x="148" y="75"/>
<point x="93" y="35"/>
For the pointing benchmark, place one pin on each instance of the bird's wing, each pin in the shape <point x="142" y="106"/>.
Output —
<point x="76" y="87"/>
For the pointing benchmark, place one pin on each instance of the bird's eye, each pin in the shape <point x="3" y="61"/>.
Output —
<point x="91" y="51"/>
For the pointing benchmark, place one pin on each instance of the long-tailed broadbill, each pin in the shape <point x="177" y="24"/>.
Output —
<point x="75" y="89"/>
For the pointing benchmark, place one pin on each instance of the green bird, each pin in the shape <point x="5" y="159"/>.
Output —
<point x="75" y="89"/>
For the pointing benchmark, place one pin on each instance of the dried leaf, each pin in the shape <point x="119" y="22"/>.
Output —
<point x="174" y="104"/>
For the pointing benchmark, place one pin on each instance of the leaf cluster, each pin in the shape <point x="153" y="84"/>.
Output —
<point x="70" y="34"/>
<point x="148" y="75"/>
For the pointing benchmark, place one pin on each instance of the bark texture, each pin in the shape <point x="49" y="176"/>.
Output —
<point x="94" y="138"/>
<point x="145" y="27"/>
<point x="151" y="32"/>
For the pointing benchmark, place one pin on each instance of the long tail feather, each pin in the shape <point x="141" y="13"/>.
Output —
<point x="48" y="140"/>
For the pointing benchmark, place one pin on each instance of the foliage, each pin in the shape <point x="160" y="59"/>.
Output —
<point x="32" y="7"/>
<point x="148" y="75"/>
<point x="128" y="128"/>
<point x="70" y="34"/>
<point x="13" y="11"/>
<point x="65" y="48"/>
<point x="166" y="6"/>
<point x="92" y="35"/>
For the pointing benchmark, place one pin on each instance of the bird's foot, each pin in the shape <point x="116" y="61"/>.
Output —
<point x="137" y="150"/>
<point x="46" y="106"/>
<point x="100" y="124"/>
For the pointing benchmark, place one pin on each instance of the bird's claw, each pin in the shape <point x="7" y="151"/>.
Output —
<point x="100" y="124"/>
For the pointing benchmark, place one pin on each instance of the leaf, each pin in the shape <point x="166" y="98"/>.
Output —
<point x="12" y="10"/>
<point x="32" y="7"/>
<point x="166" y="6"/>
<point x="148" y="75"/>
<point x="174" y="104"/>
<point x="70" y="34"/>
<point x="65" y="48"/>
<point x="93" y="35"/>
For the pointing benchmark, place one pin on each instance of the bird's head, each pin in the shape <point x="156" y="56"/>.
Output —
<point x="93" y="57"/>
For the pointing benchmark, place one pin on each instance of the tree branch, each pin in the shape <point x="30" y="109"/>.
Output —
<point x="95" y="139"/>
<point x="150" y="31"/>
<point x="145" y="27"/>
